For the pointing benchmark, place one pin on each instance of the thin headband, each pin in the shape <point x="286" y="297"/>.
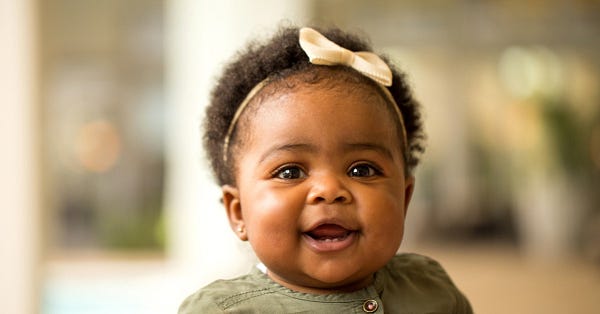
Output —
<point x="322" y="51"/>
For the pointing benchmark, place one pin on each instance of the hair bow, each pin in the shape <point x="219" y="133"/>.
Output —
<point x="323" y="51"/>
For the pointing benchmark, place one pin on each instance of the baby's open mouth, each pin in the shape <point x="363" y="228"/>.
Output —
<point x="330" y="238"/>
<point x="329" y="233"/>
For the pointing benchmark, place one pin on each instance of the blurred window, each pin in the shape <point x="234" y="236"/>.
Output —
<point x="103" y="123"/>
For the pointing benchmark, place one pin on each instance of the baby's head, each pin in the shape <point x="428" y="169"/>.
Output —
<point x="315" y="161"/>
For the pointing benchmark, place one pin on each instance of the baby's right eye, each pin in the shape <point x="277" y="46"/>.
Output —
<point x="289" y="173"/>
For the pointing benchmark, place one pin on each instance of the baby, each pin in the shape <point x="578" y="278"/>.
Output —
<point x="314" y="140"/>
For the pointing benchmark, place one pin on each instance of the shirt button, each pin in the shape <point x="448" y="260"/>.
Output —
<point x="370" y="306"/>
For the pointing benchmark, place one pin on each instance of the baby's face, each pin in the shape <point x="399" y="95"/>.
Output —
<point x="321" y="190"/>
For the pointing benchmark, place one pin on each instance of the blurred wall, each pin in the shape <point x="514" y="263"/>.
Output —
<point x="19" y="206"/>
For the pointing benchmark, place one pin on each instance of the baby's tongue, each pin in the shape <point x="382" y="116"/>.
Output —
<point x="328" y="231"/>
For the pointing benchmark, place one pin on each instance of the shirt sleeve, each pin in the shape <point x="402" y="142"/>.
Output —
<point x="198" y="303"/>
<point x="419" y="284"/>
<point x="462" y="305"/>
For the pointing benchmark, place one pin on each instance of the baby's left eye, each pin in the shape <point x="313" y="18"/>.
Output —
<point x="363" y="170"/>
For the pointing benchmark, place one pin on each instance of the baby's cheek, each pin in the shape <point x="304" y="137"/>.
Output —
<point x="384" y="229"/>
<point x="272" y="221"/>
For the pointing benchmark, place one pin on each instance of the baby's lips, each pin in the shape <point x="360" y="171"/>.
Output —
<point x="329" y="237"/>
<point x="329" y="231"/>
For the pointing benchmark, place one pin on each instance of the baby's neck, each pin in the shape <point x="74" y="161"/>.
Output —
<point x="346" y="288"/>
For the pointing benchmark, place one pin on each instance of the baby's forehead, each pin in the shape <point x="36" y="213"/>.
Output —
<point x="331" y="85"/>
<point x="329" y="82"/>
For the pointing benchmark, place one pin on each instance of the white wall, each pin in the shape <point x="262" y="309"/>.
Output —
<point x="19" y="205"/>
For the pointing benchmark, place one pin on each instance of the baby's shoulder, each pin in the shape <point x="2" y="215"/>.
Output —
<point x="417" y="270"/>
<point x="414" y="281"/>
<point x="412" y="263"/>
<point x="221" y="294"/>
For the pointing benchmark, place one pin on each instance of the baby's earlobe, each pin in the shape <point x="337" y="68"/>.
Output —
<point x="241" y="233"/>
<point x="233" y="209"/>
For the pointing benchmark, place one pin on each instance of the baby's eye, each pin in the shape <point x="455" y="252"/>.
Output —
<point x="363" y="170"/>
<point x="290" y="173"/>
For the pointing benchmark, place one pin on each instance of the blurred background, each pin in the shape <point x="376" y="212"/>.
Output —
<point x="108" y="206"/>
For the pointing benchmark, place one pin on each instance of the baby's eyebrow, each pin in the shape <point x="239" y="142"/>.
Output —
<point x="288" y="147"/>
<point x="369" y="146"/>
<point x="347" y="147"/>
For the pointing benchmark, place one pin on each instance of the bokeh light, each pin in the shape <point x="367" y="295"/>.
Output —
<point x="98" y="146"/>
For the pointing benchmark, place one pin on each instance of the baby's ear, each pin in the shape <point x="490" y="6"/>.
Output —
<point x="233" y="208"/>
<point x="409" y="188"/>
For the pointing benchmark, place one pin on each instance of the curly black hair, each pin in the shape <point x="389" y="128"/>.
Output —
<point x="276" y="59"/>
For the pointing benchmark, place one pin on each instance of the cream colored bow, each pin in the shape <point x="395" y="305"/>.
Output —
<point x="323" y="51"/>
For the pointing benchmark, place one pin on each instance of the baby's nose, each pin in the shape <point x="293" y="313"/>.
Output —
<point x="328" y="188"/>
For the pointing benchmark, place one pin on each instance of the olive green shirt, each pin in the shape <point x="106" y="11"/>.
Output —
<point x="409" y="283"/>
